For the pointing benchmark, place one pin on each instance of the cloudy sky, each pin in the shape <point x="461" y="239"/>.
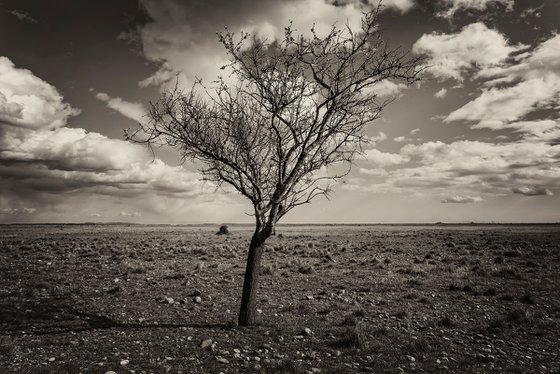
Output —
<point x="477" y="140"/>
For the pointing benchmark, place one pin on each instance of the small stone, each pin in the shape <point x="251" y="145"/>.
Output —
<point x="110" y="372"/>
<point x="124" y="362"/>
<point x="309" y="297"/>
<point x="410" y="358"/>
<point x="52" y="359"/>
<point x="198" y="299"/>
<point x="307" y="331"/>
<point x="222" y="360"/>
<point x="206" y="343"/>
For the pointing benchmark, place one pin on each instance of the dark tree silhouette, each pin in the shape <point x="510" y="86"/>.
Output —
<point x="296" y="106"/>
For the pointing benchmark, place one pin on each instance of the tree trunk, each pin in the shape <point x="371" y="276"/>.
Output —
<point x="248" y="311"/>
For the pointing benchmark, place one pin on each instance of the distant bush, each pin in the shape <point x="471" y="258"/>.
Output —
<point x="223" y="230"/>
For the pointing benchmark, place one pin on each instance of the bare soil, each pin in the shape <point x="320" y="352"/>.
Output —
<point x="333" y="299"/>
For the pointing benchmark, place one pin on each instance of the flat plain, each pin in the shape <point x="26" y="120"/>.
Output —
<point x="332" y="299"/>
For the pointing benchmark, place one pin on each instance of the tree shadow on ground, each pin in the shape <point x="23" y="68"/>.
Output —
<point x="44" y="317"/>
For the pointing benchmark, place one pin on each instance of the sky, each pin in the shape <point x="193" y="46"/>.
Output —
<point x="476" y="140"/>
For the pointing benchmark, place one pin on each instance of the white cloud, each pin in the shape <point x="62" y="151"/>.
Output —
<point x="27" y="101"/>
<point x="402" y="139"/>
<point x="453" y="6"/>
<point x="532" y="191"/>
<point x="378" y="172"/>
<point x="513" y="91"/>
<point x="387" y="88"/>
<point x="475" y="46"/>
<point x="381" y="159"/>
<point x="495" y="107"/>
<point x="378" y="138"/>
<point x="182" y="37"/>
<point x="134" y="111"/>
<point x="131" y="214"/>
<point x="14" y="211"/>
<point x="441" y="93"/>
<point x="471" y="167"/>
<point x="70" y="149"/>
<point x="48" y="157"/>
<point x="461" y="199"/>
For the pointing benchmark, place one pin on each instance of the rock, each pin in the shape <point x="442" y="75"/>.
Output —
<point x="206" y="343"/>
<point x="111" y="372"/>
<point x="51" y="359"/>
<point x="222" y="360"/>
<point x="167" y="300"/>
<point x="124" y="362"/>
<point x="309" y="297"/>
<point x="198" y="299"/>
<point x="410" y="358"/>
<point x="307" y="331"/>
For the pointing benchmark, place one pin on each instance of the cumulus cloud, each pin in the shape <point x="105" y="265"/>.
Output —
<point x="182" y="36"/>
<point x="453" y="6"/>
<point x="441" y="93"/>
<point x="513" y="91"/>
<point x="69" y="149"/>
<point x="472" y="167"/>
<point x="461" y="200"/>
<point x="134" y="111"/>
<point x="532" y="191"/>
<point x="40" y="156"/>
<point x="28" y="101"/>
<point x="453" y="55"/>
<point x="387" y="88"/>
<point x="382" y="159"/>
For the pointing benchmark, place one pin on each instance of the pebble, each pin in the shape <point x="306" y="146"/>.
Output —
<point x="222" y="360"/>
<point x="206" y="343"/>
<point x="52" y="359"/>
<point x="110" y="372"/>
<point x="124" y="362"/>
<point x="307" y="331"/>
<point x="198" y="299"/>
<point x="168" y="300"/>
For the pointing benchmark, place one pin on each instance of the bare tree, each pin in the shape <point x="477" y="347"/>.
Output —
<point x="298" y="105"/>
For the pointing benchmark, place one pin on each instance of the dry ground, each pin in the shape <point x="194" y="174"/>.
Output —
<point x="378" y="299"/>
